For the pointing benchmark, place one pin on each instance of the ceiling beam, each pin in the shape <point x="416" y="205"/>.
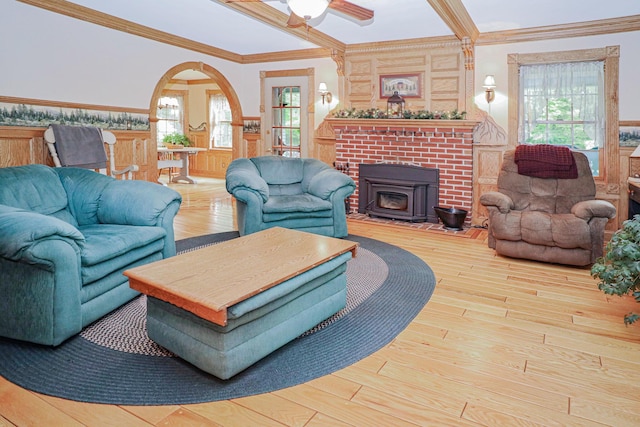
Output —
<point x="454" y="14"/>
<point x="273" y="17"/>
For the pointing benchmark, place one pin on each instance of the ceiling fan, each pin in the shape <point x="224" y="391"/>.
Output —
<point x="304" y="10"/>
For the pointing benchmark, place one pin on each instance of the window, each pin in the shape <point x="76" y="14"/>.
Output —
<point x="170" y="115"/>
<point x="556" y="93"/>
<point x="563" y="104"/>
<point x="219" y="121"/>
<point x="286" y="121"/>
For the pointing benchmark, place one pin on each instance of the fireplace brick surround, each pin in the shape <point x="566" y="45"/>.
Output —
<point x="442" y="144"/>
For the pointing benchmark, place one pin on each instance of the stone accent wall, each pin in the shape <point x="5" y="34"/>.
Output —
<point x="442" y="144"/>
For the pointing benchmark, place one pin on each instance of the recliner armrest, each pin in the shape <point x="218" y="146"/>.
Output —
<point x="326" y="182"/>
<point x="498" y="200"/>
<point x="242" y="174"/>
<point x="22" y="229"/>
<point x="593" y="208"/>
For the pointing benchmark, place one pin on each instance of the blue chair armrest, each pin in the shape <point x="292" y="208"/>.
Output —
<point x="326" y="182"/>
<point x="21" y="231"/>
<point x="242" y="174"/>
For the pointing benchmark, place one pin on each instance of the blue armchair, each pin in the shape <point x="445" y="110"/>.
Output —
<point x="66" y="236"/>
<point x="302" y="194"/>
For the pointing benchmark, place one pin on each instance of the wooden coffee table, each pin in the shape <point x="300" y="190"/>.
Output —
<point x="208" y="282"/>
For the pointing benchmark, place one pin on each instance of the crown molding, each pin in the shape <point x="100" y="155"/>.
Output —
<point x="577" y="29"/>
<point x="89" y="15"/>
<point x="405" y="44"/>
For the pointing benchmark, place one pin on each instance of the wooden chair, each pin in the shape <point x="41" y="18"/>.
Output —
<point x="110" y="139"/>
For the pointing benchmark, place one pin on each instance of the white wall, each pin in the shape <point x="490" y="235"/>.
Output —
<point x="44" y="55"/>
<point x="493" y="60"/>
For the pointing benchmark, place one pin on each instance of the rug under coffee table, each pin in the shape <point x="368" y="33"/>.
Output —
<point x="224" y="307"/>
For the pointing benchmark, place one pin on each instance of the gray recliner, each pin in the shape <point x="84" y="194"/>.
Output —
<point x="547" y="219"/>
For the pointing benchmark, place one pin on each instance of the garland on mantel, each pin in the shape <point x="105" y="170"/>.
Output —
<point x="376" y="113"/>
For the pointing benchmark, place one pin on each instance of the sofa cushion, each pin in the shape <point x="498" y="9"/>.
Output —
<point x="106" y="241"/>
<point x="296" y="203"/>
<point x="35" y="188"/>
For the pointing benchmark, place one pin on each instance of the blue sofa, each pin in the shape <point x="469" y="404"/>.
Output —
<point x="66" y="236"/>
<point x="301" y="194"/>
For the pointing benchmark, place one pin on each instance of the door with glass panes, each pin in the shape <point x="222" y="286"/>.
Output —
<point x="288" y="122"/>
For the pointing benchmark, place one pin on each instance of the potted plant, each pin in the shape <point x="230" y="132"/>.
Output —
<point x="619" y="269"/>
<point x="174" y="139"/>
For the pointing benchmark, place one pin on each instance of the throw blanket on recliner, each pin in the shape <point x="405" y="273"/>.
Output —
<point x="546" y="161"/>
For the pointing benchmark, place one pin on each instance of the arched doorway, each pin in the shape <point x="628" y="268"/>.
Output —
<point x="238" y="149"/>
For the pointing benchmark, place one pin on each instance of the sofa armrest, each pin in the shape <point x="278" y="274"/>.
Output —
<point x="326" y="182"/>
<point x="21" y="231"/>
<point x="498" y="200"/>
<point x="589" y="209"/>
<point x="136" y="203"/>
<point x="242" y="174"/>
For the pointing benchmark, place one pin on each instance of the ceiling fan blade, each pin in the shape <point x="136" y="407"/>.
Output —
<point x="295" y="21"/>
<point x="358" y="12"/>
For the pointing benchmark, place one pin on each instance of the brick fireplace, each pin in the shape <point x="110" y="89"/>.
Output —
<point x="445" y="145"/>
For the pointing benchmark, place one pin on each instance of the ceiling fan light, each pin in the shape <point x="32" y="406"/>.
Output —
<point x="308" y="9"/>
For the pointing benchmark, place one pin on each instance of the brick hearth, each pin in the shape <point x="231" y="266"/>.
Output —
<point x="442" y="144"/>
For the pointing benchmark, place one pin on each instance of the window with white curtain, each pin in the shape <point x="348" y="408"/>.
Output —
<point x="170" y="115"/>
<point x="563" y="104"/>
<point x="220" y="121"/>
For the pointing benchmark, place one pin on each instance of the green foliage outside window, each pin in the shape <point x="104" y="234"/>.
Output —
<point x="554" y="131"/>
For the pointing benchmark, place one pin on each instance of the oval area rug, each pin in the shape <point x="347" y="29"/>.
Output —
<point x="387" y="288"/>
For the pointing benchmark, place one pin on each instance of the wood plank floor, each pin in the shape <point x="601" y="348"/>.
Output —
<point x="502" y="342"/>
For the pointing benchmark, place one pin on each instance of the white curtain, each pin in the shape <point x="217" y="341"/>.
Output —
<point x="170" y="115"/>
<point x="580" y="85"/>
<point x="220" y="120"/>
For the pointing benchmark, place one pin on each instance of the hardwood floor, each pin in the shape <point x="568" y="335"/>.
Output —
<point x="502" y="342"/>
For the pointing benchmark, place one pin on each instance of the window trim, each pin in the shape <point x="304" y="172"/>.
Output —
<point x="610" y="154"/>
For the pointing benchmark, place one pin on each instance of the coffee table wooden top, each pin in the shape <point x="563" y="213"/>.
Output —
<point x="207" y="281"/>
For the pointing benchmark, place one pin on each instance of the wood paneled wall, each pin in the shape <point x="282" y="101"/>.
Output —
<point x="25" y="145"/>
<point x="212" y="163"/>
<point x="441" y="66"/>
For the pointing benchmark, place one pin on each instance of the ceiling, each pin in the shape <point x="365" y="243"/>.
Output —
<point x="228" y="26"/>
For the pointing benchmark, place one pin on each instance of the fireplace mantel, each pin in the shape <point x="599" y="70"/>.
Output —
<point x="402" y="123"/>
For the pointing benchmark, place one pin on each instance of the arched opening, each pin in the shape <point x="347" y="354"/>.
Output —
<point x="237" y="149"/>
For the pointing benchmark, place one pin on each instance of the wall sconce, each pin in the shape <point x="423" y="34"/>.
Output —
<point x="489" y="86"/>
<point x="324" y="92"/>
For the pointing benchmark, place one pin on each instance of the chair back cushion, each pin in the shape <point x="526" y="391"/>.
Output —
<point x="35" y="188"/>
<point x="549" y="195"/>
<point x="277" y="170"/>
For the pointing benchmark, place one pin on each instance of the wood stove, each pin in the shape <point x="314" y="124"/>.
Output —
<point x="398" y="191"/>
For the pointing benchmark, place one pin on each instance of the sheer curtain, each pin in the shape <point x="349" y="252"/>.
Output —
<point x="220" y="121"/>
<point x="170" y="115"/>
<point x="565" y="98"/>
